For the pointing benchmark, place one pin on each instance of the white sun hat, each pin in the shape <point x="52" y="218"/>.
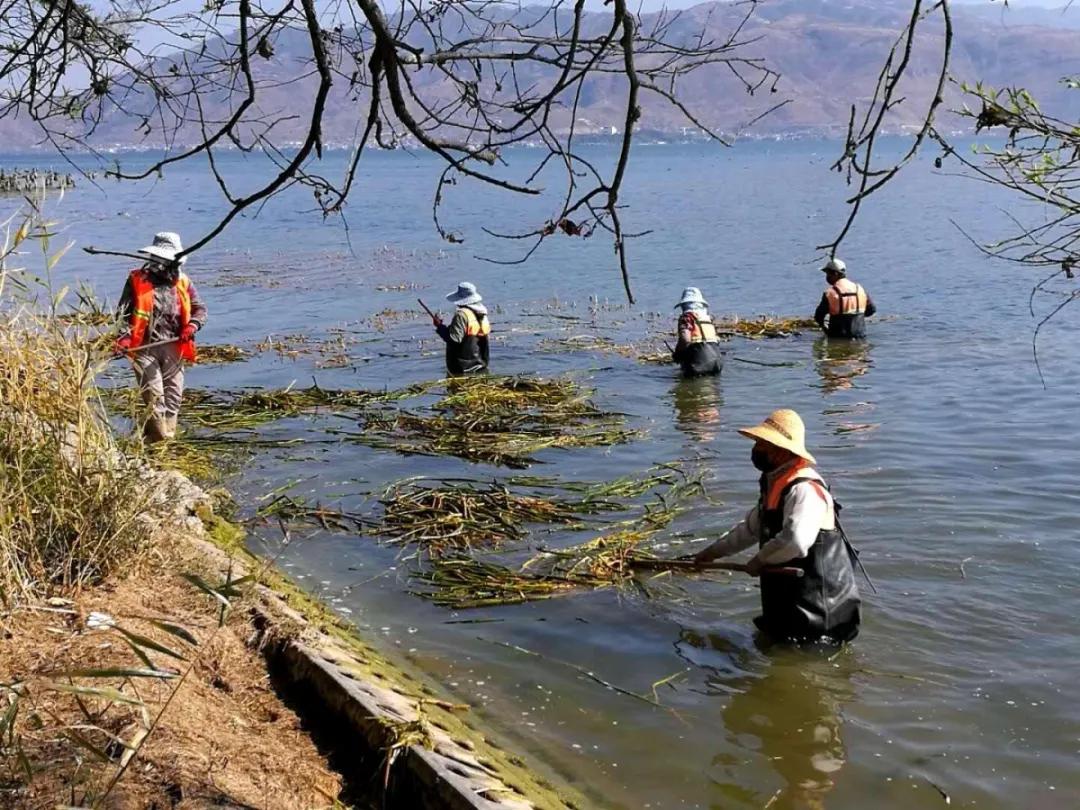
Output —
<point x="692" y="295"/>
<point x="466" y="294"/>
<point x="165" y="247"/>
<point x="835" y="265"/>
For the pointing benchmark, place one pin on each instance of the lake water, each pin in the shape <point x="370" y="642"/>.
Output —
<point x="955" y="465"/>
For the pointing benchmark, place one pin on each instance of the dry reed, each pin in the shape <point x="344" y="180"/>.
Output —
<point x="69" y="500"/>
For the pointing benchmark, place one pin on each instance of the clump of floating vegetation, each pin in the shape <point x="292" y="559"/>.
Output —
<point x="462" y="582"/>
<point x="587" y="343"/>
<point x="222" y="353"/>
<point x="765" y="326"/>
<point x="293" y="510"/>
<point x="644" y="351"/>
<point x="225" y="411"/>
<point x="456" y="517"/>
<point x="499" y="420"/>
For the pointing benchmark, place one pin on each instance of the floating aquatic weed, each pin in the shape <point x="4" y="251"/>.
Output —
<point x="222" y="353"/>
<point x="292" y="509"/>
<point x="456" y="517"/>
<point x="499" y="420"/>
<point x="226" y="411"/>
<point x="765" y="326"/>
<point x="605" y="561"/>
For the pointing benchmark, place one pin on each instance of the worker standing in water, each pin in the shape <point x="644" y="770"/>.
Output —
<point x="698" y="347"/>
<point x="466" y="338"/>
<point x="846" y="304"/>
<point x="794" y="525"/>
<point x="160" y="310"/>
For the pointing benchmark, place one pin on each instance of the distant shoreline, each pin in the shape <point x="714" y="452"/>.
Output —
<point x="650" y="138"/>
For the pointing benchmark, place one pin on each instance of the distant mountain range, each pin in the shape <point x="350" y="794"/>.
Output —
<point x="828" y="52"/>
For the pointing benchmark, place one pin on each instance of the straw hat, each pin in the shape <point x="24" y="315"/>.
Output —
<point x="466" y="294"/>
<point x="166" y="246"/>
<point x="835" y="265"/>
<point x="692" y="295"/>
<point x="784" y="429"/>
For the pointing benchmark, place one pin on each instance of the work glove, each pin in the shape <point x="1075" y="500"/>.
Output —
<point x="122" y="346"/>
<point x="188" y="333"/>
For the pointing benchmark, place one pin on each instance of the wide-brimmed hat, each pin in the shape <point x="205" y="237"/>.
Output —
<point x="692" y="295"/>
<point x="466" y="294"/>
<point x="835" y="265"/>
<point x="166" y="246"/>
<point x="784" y="429"/>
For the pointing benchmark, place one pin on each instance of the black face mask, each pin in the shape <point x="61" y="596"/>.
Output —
<point x="760" y="459"/>
<point x="168" y="273"/>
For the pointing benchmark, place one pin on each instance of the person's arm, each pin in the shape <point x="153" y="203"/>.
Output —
<point x="685" y="330"/>
<point x="743" y="535"/>
<point x="822" y="310"/>
<point x="805" y="508"/>
<point x="870" y="308"/>
<point x="198" y="308"/>
<point x="455" y="333"/>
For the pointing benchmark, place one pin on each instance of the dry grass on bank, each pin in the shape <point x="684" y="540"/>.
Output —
<point x="157" y="701"/>
<point x="226" y="739"/>
<point x="69" y="503"/>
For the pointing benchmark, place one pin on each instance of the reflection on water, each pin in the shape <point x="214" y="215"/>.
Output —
<point x="840" y="362"/>
<point x="697" y="402"/>
<point x="784" y="705"/>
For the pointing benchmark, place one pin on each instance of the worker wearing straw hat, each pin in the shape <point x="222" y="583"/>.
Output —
<point x="160" y="312"/>
<point x="846" y="303"/>
<point x="466" y="337"/>
<point x="698" y="347"/>
<point x="795" y="526"/>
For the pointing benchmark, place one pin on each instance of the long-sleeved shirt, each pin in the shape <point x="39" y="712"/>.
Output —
<point x="165" y="319"/>
<point x="806" y="509"/>
<point x="455" y="332"/>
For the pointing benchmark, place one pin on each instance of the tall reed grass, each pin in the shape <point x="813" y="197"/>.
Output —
<point x="69" y="500"/>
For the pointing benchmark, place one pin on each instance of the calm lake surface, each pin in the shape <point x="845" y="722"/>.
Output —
<point x="956" y="468"/>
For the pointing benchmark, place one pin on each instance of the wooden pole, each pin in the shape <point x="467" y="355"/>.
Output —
<point x="690" y="565"/>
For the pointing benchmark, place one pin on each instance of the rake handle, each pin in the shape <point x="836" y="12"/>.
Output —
<point x="146" y="346"/>
<point x="690" y="565"/>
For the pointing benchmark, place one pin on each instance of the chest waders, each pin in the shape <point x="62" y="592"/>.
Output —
<point x="825" y="601"/>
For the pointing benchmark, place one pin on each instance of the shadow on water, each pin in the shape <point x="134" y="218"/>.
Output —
<point x="784" y="706"/>
<point x="697" y="403"/>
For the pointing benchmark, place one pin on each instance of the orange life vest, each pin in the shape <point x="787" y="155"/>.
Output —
<point x="474" y="326"/>
<point x="701" y="330"/>
<point x="846" y="298"/>
<point x="798" y="470"/>
<point x="142" y="293"/>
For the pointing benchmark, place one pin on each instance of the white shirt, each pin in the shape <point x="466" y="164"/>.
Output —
<point x="806" y="512"/>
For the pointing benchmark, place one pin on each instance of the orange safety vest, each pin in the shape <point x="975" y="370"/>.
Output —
<point x="701" y="331"/>
<point x="474" y="327"/>
<point x="798" y="470"/>
<point x="846" y="298"/>
<point x="142" y="292"/>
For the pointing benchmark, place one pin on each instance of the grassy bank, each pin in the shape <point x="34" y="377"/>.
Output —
<point x="124" y="680"/>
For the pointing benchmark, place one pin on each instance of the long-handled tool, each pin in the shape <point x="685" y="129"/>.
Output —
<point x="434" y="317"/>
<point x="690" y="565"/>
<point x="146" y="346"/>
